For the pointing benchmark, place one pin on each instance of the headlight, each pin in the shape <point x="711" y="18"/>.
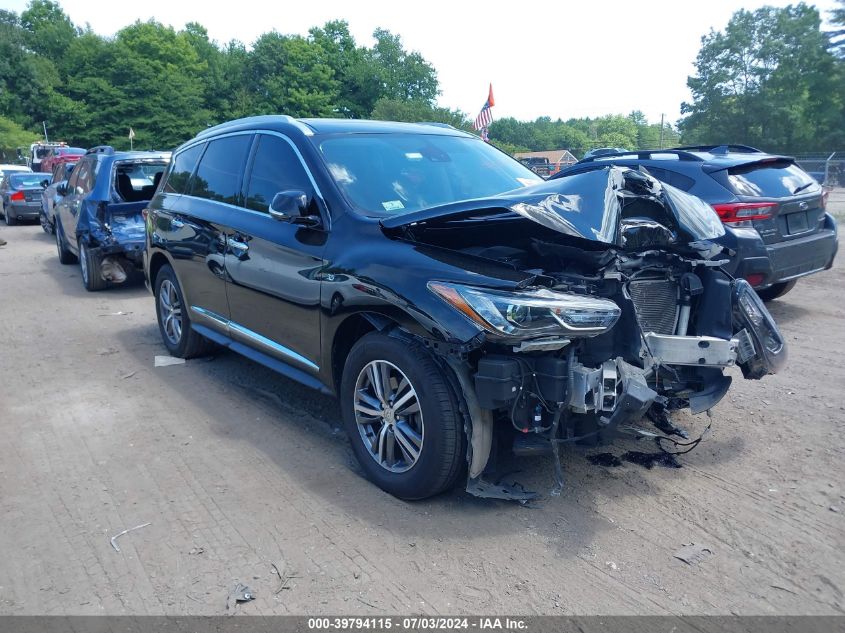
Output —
<point x="527" y="314"/>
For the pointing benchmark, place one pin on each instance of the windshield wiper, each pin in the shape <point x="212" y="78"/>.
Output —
<point x="802" y="187"/>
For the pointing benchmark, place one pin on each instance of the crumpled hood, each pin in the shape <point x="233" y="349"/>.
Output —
<point x="596" y="205"/>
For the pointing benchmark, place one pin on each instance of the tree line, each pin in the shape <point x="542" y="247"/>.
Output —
<point x="774" y="77"/>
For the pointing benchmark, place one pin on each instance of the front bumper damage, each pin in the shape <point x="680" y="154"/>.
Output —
<point x="615" y="394"/>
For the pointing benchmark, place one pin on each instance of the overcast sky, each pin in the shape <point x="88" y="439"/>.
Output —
<point x="561" y="59"/>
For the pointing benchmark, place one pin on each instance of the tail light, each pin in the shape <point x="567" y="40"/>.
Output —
<point x="18" y="195"/>
<point x="755" y="279"/>
<point x="736" y="212"/>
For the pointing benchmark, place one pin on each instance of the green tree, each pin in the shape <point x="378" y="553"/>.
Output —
<point x="418" y="111"/>
<point x="48" y="29"/>
<point x="290" y="76"/>
<point x="13" y="136"/>
<point x="767" y="80"/>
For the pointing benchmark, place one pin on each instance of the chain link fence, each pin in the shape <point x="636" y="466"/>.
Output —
<point x="826" y="167"/>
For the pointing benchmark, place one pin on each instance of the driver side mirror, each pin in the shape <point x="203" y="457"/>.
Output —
<point x="61" y="189"/>
<point x="291" y="206"/>
<point x="45" y="183"/>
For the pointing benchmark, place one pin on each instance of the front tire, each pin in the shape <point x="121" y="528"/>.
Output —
<point x="777" y="290"/>
<point x="402" y="417"/>
<point x="89" y="265"/>
<point x="179" y="337"/>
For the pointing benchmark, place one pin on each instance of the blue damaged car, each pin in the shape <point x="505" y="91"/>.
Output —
<point x="98" y="221"/>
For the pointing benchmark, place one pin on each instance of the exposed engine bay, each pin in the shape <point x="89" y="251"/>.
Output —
<point x="623" y="314"/>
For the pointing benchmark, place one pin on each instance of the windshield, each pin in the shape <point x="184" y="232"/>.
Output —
<point x="394" y="174"/>
<point x="71" y="151"/>
<point x="20" y="181"/>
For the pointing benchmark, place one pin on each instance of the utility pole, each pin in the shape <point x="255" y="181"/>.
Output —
<point x="44" y="123"/>
<point x="661" y="131"/>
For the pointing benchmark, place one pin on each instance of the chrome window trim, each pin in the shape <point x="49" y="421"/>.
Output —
<point x="255" y="336"/>
<point x="208" y="139"/>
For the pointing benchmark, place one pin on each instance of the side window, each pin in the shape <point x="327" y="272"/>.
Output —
<point x="275" y="168"/>
<point x="221" y="169"/>
<point x="182" y="168"/>
<point x="81" y="177"/>
<point x="685" y="183"/>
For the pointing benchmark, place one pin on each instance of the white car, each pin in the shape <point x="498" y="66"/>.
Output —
<point x="7" y="169"/>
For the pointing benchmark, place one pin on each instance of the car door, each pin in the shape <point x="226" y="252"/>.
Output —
<point x="80" y="184"/>
<point x="193" y="226"/>
<point x="273" y="266"/>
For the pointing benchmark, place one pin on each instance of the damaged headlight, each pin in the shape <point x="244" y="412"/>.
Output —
<point x="530" y="313"/>
<point x="750" y="313"/>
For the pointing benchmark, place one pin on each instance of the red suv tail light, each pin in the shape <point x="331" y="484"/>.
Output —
<point x="735" y="212"/>
<point x="18" y="195"/>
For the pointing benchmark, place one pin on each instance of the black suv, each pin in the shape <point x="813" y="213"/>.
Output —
<point x="445" y="293"/>
<point x="759" y="195"/>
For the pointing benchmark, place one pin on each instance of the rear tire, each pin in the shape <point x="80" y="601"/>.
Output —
<point x="89" y="265"/>
<point x="65" y="256"/>
<point x="10" y="221"/>
<point x="174" y="324"/>
<point x="777" y="290"/>
<point x="432" y="428"/>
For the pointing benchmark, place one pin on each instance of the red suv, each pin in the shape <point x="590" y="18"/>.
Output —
<point x="59" y="155"/>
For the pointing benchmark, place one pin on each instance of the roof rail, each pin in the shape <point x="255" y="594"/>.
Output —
<point x="256" y="121"/>
<point x="722" y="149"/>
<point x="101" y="149"/>
<point x="438" y="124"/>
<point x="645" y="154"/>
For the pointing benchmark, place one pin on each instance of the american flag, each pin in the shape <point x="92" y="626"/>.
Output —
<point x="485" y="117"/>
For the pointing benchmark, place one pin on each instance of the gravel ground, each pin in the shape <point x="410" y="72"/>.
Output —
<point x="238" y="470"/>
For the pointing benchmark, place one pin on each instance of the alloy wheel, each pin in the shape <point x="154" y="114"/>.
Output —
<point x="170" y="311"/>
<point x="390" y="421"/>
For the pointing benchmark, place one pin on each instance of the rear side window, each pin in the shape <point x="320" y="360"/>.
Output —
<point x="770" y="180"/>
<point x="221" y="169"/>
<point x="684" y="183"/>
<point x="183" y="166"/>
<point x="276" y="168"/>
<point x="83" y="180"/>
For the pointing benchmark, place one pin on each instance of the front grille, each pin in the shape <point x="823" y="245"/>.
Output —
<point x="656" y="304"/>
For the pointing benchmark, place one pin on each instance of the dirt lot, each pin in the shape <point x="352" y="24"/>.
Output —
<point x="236" y="468"/>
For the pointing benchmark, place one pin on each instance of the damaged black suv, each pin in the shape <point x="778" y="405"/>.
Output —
<point x="445" y="293"/>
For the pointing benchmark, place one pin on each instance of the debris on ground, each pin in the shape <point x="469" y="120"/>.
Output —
<point x="693" y="554"/>
<point x="166" y="361"/>
<point x="604" y="459"/>
<point x="129" y="375"/>
<point x="114" y="538"/>
<point x="119" y="313"/>
<point x="112" y="271"/>
<point x="284" y="578"/>
<point x="2" y="242"/>
<point x="650" y="460"/>
<point x="242" y="593"/>
<point x="195" y="551"/>
<point x="106" y="351"/>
